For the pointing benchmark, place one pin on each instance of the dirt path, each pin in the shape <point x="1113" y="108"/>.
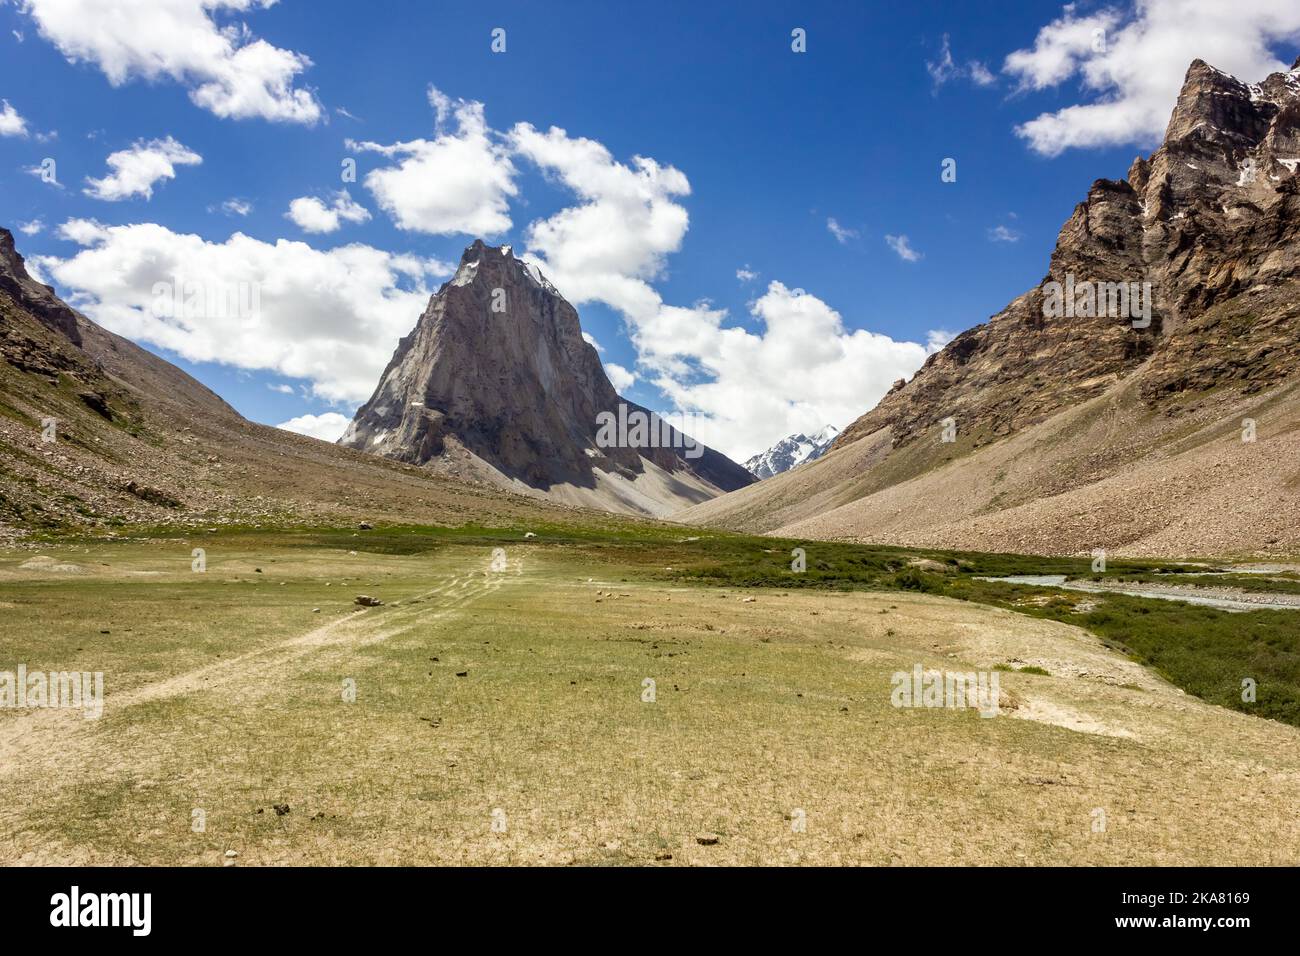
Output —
<point x="42" y="741"/>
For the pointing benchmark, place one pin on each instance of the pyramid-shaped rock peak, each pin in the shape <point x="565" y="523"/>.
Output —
<point x="497" y="381"/>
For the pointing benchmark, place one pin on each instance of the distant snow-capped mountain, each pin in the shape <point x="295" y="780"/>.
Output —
<point x="791" y="452"/>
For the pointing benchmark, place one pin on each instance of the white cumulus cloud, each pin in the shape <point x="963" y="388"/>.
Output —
<point x="625" y="225"/>
<point x="936" y="339"/>
<point x="461" y="181"/>
<point x="227" y="70"/>
<point x="804" y="369"/>
<point x="11" y="123"/>
<point x="743" y="390"/>
<point x="1130" y="62"/>
<point x="135" y="170"/>
<point x="331" y="317"/>
<point x="312" y="215"/>
<point x="619" y="377"/>
<point x="328" y="426"/>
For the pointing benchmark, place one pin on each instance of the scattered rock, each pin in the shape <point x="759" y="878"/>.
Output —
<point x="707" y="839"/>
<point x="365" y="600"/>
<point x="281" y="809"/>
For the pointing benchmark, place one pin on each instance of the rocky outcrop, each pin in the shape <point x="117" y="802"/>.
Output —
<point x="1211" y="214"/>
<point x="1066" y="421"/>
<point x="497" y="379"/>
<point x="36" y="299"/>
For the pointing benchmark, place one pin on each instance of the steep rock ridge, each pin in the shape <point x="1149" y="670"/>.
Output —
<point x="135" y="439"/>
<point x="38" y="300"/>
<point x="1211" y="221"/>
<point x="1210" y="214"/>
<point x="496" y="380"/>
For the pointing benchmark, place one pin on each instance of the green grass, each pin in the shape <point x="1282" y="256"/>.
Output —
<point x="1205" y="651"/>
<point x="1029" y="669"/>
<point x="762" y="707"/>
<point x="1263" y="584"/>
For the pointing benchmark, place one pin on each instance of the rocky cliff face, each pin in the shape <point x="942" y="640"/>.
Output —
<point x="38" y="300"/>
<point x="1209" y="216"/>
<point x="496" y="380"/>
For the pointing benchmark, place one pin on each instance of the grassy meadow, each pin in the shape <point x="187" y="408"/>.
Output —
<point x="625" y="696"/>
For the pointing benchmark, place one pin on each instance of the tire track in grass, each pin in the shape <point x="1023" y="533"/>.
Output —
<point x="50" y="741"/>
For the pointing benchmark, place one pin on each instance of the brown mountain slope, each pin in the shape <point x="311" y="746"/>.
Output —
<point x="1084" y="431"/>
<point x="138" y="440"/>
<point x="496" y="380"/>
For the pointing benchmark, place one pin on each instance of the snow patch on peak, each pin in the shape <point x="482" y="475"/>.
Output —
<point x="792" y="452"/>
<point x="535" y="276"/>
<point x="466" y="273"/>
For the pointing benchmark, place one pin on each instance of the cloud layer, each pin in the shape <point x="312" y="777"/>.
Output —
<point x="328" y="426"/>
<point x="743" y="390"/>
<point x="330" y="317"/>
<point x="227" y="70"/>
<point x="333" y="317"/>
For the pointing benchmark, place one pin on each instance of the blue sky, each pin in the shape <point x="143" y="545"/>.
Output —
<point x="774" y="145"/>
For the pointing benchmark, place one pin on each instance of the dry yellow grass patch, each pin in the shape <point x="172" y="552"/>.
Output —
<point x="767" y="714"/>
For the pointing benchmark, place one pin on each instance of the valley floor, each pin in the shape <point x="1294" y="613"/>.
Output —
<point x="500" y="718"/>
